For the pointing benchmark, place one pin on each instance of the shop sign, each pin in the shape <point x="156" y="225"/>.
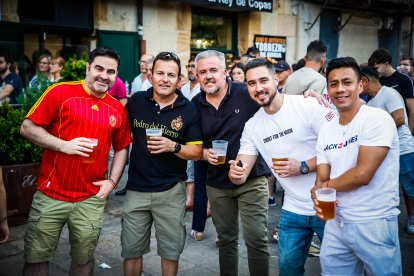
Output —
<point x="253" y="5"/>
<point x="271" y="47"/>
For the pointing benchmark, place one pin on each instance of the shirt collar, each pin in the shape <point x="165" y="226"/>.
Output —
<point x="181" y="100"/>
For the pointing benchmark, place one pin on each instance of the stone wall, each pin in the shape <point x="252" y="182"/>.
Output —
<point x="9" y="11"/>
<point x="116" y="15"/>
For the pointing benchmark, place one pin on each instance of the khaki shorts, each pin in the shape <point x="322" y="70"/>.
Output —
<point x="167" y="211"/>
<point x="46" y="220"/>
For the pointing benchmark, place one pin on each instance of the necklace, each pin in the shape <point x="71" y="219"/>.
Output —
<point x="343" y="130"/>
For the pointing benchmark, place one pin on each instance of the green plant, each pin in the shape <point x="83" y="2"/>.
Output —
<point x="74" y="69"/>
<point x="16" y="148"/>
<point x="32" y="94"/>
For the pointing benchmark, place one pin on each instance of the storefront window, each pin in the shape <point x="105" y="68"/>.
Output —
<point x="211" y="32"/>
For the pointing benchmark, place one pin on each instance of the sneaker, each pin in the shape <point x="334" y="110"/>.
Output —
<point x="272" y="202"/>
<point x="410" y="225"/>
<point x="314" y="250"/>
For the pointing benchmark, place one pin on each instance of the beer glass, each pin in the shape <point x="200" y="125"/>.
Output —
<point x="220" y="147"/>
<point x="153" y="132"/>
<point x="326" y="198"/>
<point x="281" y="155"/>
<point x="92" y="154"/>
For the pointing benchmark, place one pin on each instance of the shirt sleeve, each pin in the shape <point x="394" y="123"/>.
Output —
<point x="378" y="130"/>
<point x="121" y="137"/>
<point x="13" y="80"/>
<point x="392" y="100"/>
<point x="318" y="115"/>
<point x="320" y="153"/>
<point x="407" y="89"/>
<point x="247" y="145"/>
<point x="318" y="85"/>
<point x="121" y="90"/>
<point x="193" y="132"/>
<point x="46" y="109"/>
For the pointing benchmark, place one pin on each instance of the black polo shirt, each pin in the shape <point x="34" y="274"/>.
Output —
<point x="227" y="123"/>
<point x="180" y="122"/>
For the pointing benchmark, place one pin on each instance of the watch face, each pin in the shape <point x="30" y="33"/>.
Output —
<point x="304" y="169"/>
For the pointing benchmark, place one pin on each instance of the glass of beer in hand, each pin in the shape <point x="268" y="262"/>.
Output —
<point x="92" y="154"/>
<point x="153" y="132"/>
<point x="220" y="147"/>
<point x="326" y="198"/>
<point x="282" y="155"/>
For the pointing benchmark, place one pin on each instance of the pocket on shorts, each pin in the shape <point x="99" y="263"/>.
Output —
<point x="34" y="215"/>
<point x="32" y="222"/>
<point x="183" y="187"/>
<point x="183" y="234"/>
<point x="392" y="231"/>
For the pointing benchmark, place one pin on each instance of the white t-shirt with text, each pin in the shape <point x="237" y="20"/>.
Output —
<point x="293" y="130"/>
<point x="389" y="100"/>
<point x="371" y="127"/>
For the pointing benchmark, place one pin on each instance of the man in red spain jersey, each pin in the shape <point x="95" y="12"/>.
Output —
<point x="69" y="190"/>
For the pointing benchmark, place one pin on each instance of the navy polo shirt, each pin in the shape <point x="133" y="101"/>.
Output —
<point x="227" y="123"/>
<point x="180" y="122"/>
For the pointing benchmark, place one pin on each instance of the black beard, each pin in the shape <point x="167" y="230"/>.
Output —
<point x="271" y="98"/>
<point x="4" y="70"/>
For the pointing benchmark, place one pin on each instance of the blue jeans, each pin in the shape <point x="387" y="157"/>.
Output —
<point x="200" y="196"/>
<point x="295" y="236"/>
<point x="407" y="174"/>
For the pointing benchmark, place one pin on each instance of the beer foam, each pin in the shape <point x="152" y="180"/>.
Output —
<point x="327" y="198"/>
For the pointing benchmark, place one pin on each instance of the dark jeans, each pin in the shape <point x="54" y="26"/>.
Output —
<point x="200" y="196"/>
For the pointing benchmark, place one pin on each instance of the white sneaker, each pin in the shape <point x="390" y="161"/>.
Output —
<point x="410" y="225"/>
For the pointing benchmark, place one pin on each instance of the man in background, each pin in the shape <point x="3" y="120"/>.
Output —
<point x="10" y="83"/>
<point x="138" y="81"/>
<point x="282" y="69"/>
<point x="308" y="77"/>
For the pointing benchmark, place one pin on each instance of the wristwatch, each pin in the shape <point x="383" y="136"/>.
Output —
<point x="177" y="148"/>
<point x="304" y="169"/>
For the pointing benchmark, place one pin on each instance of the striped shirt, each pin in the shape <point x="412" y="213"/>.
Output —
<point x="69" y="111"/>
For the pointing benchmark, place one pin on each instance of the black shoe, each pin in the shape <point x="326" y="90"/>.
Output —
<point x="121" y="192"/>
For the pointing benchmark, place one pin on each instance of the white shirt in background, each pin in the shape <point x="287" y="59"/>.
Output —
<point x="188" y="93"/>
<point x="294" y="128"/>
<point x="370" y="127"/>
<point x="146" y="85"/>
<point x="389" y="100"/>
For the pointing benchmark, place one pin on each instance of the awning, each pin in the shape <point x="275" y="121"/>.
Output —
<point x="252" y="5"/>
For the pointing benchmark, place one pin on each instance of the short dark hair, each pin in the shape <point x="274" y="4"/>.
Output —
<point x="345" y="62"/>
<point x="253" y="51"/>
<point x="167" y="56"/>
<point x="370" y="72"/>
<point x="235" y="58"/>
<point x="191" y="59"/>
<point x="104" y="52"/>
<point x="7" y="57"/>
<point x="259" y="62"/>
<point x="301" y="63"/>
<point x="408" y="58"/>
<point x="316" y="51"/>
<point x="380" y="56"/>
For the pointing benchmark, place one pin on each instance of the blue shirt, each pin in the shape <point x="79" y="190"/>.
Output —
<point x="14" y="80"/>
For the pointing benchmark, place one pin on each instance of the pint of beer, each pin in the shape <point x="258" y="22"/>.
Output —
<point x="220" y="147"/>
<point x="92" y="155"/>
<point x="279" y="159"/>
<point x="153" y="132"/>
<point x="326" y="198"/>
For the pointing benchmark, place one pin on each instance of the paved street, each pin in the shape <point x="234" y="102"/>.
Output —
<point x="198" y="258"/>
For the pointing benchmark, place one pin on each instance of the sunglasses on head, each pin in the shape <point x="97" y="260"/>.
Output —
<point x="166" y="54"/>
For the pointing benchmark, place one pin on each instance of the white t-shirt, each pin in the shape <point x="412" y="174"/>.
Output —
<point x="370" y="127"/>
<point x="293" y="129"/>
<point x="188" y="93"/>
<point x="146" y="85"/>
<point x="389" y="100"/>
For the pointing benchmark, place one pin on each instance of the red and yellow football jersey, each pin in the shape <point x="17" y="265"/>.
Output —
<point x="69" y="111"/>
